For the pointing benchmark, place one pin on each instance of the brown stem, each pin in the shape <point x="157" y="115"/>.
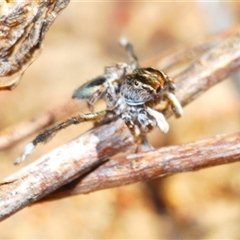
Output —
<point x="154" y="164"/>
<point x="62" y="165"/>
<point x="14" y="134"/>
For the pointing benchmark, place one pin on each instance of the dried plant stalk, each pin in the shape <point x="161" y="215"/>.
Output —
<point x="215" y="65"/>
<point x="84" y="154"/>
<point x="155" y="164"/>
<point x="13" y="134"/>
<point x="62" y="166"/>
<point x="23" y="25"/>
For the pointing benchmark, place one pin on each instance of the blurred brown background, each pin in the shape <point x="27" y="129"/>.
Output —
<point x="84" y="39"/>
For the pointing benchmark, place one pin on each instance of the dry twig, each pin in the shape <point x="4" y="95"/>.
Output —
<point x="155" y="164"/>
<point x="84" y="154"/>
<point x="23" y="23"/>
<point x="15" y="133"/>
<point x="62" y="166"/>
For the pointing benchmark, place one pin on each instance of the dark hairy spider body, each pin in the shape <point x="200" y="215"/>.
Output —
<point x="130" y="92"/>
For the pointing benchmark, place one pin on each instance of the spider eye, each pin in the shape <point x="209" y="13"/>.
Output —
<point x="136" y="83"/>
<point x="150" y="91"/>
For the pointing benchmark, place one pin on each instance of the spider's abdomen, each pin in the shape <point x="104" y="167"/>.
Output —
<point x="143" y="85"/>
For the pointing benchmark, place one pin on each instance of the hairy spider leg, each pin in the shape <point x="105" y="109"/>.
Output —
<point x="144" y="119"/>
<point x="130" y="51"/>
<point x="130" y="124"/>
<point x="49" y="133"/>
<point x="95" y="96"/>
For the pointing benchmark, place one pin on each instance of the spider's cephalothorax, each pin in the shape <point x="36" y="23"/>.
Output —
<point x="143" y="85"/>
<point x="140" y="91"/>
<point x="130" y="92"/>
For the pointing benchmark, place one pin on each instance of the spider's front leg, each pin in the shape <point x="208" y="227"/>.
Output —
<point x="49" y="133"/>
<point x="129" y="117"/>
<point x="111" y="97"/>
<point x="148" y="119"/>
<point x="140" y="122"/>
<point x="159" y="118"/>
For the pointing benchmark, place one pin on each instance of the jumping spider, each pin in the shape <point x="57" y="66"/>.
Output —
<point x="130" y="92"/>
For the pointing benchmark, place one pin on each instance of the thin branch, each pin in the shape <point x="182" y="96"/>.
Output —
<point x="214" y="66"/>
<point x="15" y="133"/>
<point x="84" y="154"/>
<point x="155" y="164"/>
<point x="62" y="166"/>
<point x="190" y="53"/>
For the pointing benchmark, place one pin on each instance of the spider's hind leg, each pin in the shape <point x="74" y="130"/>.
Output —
<point x="49" y="133"/>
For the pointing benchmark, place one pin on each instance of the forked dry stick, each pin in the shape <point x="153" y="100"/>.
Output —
<point x="85" y="153"/>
